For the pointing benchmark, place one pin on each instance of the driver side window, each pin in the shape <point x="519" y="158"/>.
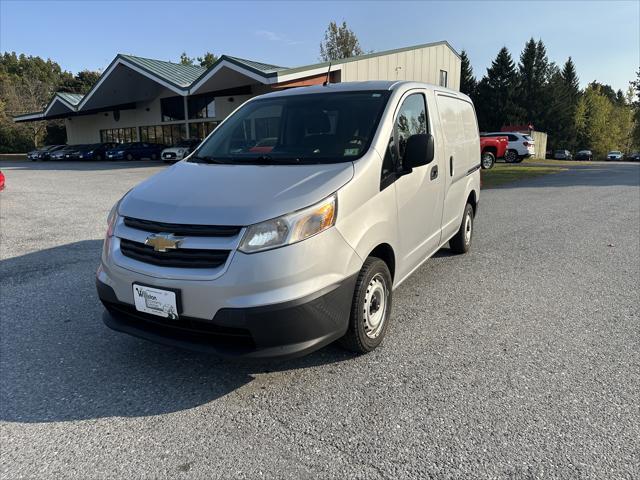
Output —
<point x="410" y="120"/>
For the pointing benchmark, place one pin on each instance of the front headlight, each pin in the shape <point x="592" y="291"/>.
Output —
<point x="291" y="228"/>
<point x="112" y="219"/>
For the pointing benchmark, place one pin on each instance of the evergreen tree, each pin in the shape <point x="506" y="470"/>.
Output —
<point x="468" y="83"/>
<point x="532" y="79"/>
<point x="569" y="96"/>
<point x="496" y="97"/>
<point x="570" y="79"/>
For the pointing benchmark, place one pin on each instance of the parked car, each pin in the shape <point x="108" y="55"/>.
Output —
<point x="265" y="145"/>
<point x="616" y="155"/>
<point x="562" y="155"/>
<point x="65" y="153"/>
<point x="180" y="151"/>
<point x="1" y="180"/>
<point x="135" y="151"/>
<point x="584" y="155"/>
<point x="521" y="146"/>
<point x="292" y="250"/>
<point x="43" y="153"/>
<point x="95" y="151"/>
<point x="492" y="148"/>
<point x="634" y="157"/>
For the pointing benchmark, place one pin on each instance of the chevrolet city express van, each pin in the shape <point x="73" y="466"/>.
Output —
<point x="290" y="226"/>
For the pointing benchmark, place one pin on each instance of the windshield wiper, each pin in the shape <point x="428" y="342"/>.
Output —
<point x="207" y="159"/>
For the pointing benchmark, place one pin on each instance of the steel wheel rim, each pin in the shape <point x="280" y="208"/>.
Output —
<point x="467" y="228"/>
<point x="486" y="161"/>
<point x="375" y="306"/>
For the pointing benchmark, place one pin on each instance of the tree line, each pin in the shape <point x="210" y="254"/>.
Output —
<point x="548" y="96"/>
<point x="534" y="91"/>
<point x="27" y="84"/>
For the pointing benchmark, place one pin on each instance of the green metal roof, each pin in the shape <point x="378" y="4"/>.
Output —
<point x="175" y="73"/>
<point x="71" y="98"/>
<point x="260" y="66"/>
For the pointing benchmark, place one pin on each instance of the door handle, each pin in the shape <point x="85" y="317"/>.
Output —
<point x="451" y="165"/>
<point x="434" y="172"/>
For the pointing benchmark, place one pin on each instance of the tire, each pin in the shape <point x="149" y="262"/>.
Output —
<point x="487" y="160"/>
<point x="99" y="158"/>
<point x="511" y="156"/>
<point x="372" y="293"/>
<point x="154" y="156"/>
<point x="519" y="159"/>
<point x="461" y="242"/>
<point x="129" y="157"/>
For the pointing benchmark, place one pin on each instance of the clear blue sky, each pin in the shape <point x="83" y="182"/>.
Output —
<point x="602" y="36"/>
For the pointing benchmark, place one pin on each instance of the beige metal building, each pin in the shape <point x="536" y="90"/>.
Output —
<point x="141" y="99"/>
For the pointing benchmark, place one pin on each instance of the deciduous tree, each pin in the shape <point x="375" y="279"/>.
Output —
<point x="339" y="42"/>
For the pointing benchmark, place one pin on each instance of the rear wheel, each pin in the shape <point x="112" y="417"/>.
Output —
<point x="487" y="160"/>
<point x="129" y="156"/>
<point x="461" y="242"/>
<point x="511" y="156"/>
<point x="370" y="308"/>
<point x="99" y="157"/>
<point x="154" y="156"/>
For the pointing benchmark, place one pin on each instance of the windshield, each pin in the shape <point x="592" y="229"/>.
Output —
<point x="309" y="128"/>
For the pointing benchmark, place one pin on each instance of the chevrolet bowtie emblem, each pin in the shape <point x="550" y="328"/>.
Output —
<point x="161" y="242"/>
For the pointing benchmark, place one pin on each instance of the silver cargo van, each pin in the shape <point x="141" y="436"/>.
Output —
<point x="293" y="222"/>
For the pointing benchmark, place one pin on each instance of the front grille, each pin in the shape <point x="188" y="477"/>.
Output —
<point x="178" y="258"/>
<point x="182" y="230"/>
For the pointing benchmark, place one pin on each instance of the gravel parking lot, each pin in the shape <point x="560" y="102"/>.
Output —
<point x="519" y="360"/>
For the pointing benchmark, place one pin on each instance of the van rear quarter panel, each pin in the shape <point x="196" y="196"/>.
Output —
<point x="461" y="147"/>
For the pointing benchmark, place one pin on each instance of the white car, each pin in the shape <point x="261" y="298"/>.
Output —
<point x="180" y="151"/>
<point x="615" y="155"/>
<point x="521" y="146"/>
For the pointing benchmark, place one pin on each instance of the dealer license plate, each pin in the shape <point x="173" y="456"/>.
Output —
<point x="155" y="301"/>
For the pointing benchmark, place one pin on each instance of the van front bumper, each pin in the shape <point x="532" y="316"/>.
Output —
<point x="283" y="330"/>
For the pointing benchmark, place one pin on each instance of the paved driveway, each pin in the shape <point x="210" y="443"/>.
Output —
<point x="519" y="360"/>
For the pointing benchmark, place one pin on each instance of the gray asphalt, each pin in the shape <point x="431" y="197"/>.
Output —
<point x="518" y="360"/>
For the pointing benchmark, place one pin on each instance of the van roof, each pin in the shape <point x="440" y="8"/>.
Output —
<point x="358" y="86"/>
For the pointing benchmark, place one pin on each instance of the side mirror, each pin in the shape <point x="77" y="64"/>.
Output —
<point x="419" y="151"/>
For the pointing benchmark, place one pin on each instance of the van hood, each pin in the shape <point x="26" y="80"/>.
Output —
<point x="240" y="195"/>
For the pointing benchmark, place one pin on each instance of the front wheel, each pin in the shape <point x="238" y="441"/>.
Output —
<point x="370" y="308"/>
<point x="129" y="157"/>
<point x="487" y="160"/>
<point x="99" y="158"/>
<point x="511" y="156"/>
<point x="461" y="242"/>
<point x="154" y="156"/>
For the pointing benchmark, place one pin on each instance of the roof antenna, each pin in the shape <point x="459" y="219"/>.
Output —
<point x="326" y="82"/>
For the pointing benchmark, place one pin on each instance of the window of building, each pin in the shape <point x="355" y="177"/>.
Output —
<point x="443" y="78"/>
<point x="202" y="106"/>
<point x="119" y="135"/>
<point x="201" y="129"/>
<point x="163" y="134"/>
<point x="172" y="109"/>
